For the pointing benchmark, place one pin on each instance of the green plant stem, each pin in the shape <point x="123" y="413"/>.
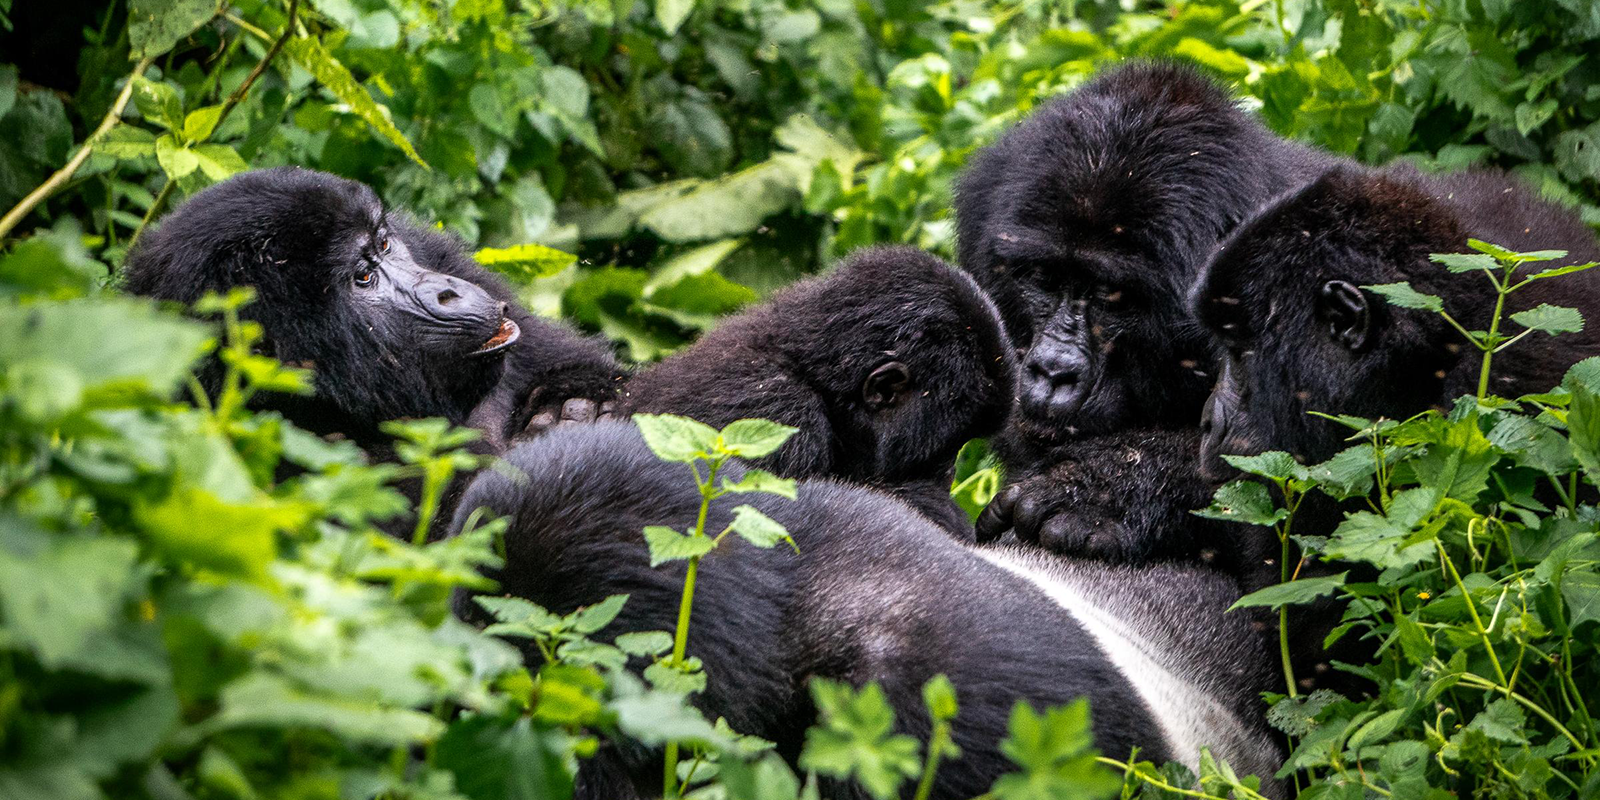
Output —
<point x="1243" y="791"/>
<point x="680" y="638"/>
<point x="1489" y="344"/>
<point x="1480" y="682"/>
<point x="1472" y="610"/>
<point x="936" y="745"/>
<point x="1283" y="577"/>
<point x="435" y="475"/>
<point x="61" y="176"/>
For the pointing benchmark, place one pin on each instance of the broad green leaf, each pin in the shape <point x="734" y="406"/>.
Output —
<point x="110" y="342"/>
<point x="495" y="758"/>
<point x="976" y="491"/>
<point x="333" y="75"/>
<point x="733" y="205"/>
<point x="518" y="611"/>
<point x="645" y="643"/>
<point x="158" y="103"/>
<point x="175" y="159"/>
<point x="184" y="527"/>
<point x="1274" y="465"/>
<point x="1556" y="272"/>
<point x="1583" y="428"/>
<point x="667" y="545"/>
<point x="1386" y="541"/>
<point x="154" y="26"/>
<point x="199" y="124"/>
<point x="1550" y="319"/>
<point x="758" y="528"/>
<point x="676" y="439"/>
<point x="759" y="480"/>
<point x="219" y="162"/>
<point x="525" y="262"/>
<point x="696" y="261"/>
<point x="1585" y="373"/>
<point x="60" y="593"/>
<point x="670" y="14"/>
<point x="1466" y="262"/>
<point x="1055" y="753"/>
<point x="854" y="738"/>
<point x="754" y="438"/>
<point x="684" y="679"/>
<point x="261" y="699"/>
<point x="1581" y="590"/>
<point x="1494" y="250"/>
<point x="127" y="141"/>
<point x="1348" y="474"/>
<point x="1291" y="593"/>
<point x="1531" y="444"/>
<point x="656" y="718"/>
<point x="1401" y="294"/>
<point x="1244" y="501"/>
<point x="592" y="618"/>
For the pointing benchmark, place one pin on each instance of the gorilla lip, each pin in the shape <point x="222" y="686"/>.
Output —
<point x="505" y="335"/>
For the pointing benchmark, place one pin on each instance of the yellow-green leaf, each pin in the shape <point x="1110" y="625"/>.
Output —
<point x="219" y="161"/>
<point x="337" y="79"/>
<point x="199" y="124"/>
<point x="525" y="261"/>
<point x="176" y="160"/>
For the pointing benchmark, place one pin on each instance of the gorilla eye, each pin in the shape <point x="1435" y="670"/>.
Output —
<point x="365" y="277"/>
<point x="383" y="244"/>
<point x="1111" y="295"/>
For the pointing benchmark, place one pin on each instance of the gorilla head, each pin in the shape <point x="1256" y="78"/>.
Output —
<point x="887" y="365"/>
<point x="1284" y="297"/>
<point x="394" y="319"/>
<point x="1087" y="223"/>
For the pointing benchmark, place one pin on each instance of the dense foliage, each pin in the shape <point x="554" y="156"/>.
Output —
<point x="175" y="623"/>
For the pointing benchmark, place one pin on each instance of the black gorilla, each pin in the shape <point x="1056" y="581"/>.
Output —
<point x="395" y="319"/>
<point x="887" y="365"/>
<point x="1088" y="223"/>
<point x="1283" y="297"/>
<point x="877" y="593"/>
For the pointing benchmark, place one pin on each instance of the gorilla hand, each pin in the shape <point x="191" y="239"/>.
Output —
<point x="576" y="409"/>
<point x="1052" y="514"/>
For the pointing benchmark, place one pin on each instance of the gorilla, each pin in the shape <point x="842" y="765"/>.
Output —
<point x="887" y="365"/>
<point x="1283" y="297"/>
<point x="1087" y="223"/>
<point x="395" y="320"/>
<point x="876" y="593"/>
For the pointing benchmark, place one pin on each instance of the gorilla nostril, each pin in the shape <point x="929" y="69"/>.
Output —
<point x="447" y="296"/>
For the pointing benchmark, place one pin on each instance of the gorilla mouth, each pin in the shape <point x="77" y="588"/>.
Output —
<point x="504" y="336"/>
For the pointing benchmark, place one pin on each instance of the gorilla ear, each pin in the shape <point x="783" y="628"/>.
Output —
<point x="1344" y="307"/>
<point x="886" y="386"/>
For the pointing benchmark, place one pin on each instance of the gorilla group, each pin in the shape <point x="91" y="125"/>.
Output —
<point x="1148" y="279"/>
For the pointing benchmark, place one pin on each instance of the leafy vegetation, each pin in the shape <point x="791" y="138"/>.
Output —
<point x="693" y="157"/>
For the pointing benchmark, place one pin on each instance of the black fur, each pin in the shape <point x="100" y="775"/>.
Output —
<point x="876" y="593"/>
<point x="806" y="359"/>
<point x="298" y="236"/>
<point x="1294" y="346"/>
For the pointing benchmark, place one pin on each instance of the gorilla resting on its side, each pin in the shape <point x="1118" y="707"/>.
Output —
<point x="394" y="319"/>
<point x="877" y="593"/>
<point x="887" y="365"/>
<point x="1283" y="297"/>
<point x="1088" y="223"/>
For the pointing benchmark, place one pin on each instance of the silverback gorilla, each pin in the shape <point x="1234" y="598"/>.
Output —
<point x="395" y="320"/>
<point x="877" y="593"/>
<point x="1284" y="298"/>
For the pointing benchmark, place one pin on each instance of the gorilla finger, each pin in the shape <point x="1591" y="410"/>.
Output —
<point x="1030" y="514"/>
<point x="996" y="517"/>
<point x="1060" y="534"/>
<point x="541" y="421"/>
<point x="608" y="410"/>
<point x="579" y="410"/>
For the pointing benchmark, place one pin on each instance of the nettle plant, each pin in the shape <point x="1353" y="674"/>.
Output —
<point x="1480" y="525"/>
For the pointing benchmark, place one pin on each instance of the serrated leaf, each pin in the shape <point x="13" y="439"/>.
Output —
<point x="1402" y="295"/>
<point x="154" y="26"/>
<point x="525" y="262"/>
<point x="675" y="680"/>
<point x="1348" y="474"/>
<point x="758" y="528"/>
<point x="336" y="78"/>
<point x="760" y="480"/>
<point x="175" y="159"/>
<point x="1291" y="593"/>
<point x="592" y="618"/>
<point x="644" y="643"/>
<point x="1248" y="502"/>
<point x="676" y="439"/>
<point x="1550" y="319"/>
<point x="262" y="699"/>
<point x="1273" y="465"/>
<point x="754" y="438"/>
<point x="667" y="545"/>
<point x="854" y="738"/>
<point x="1465" y="262"/>
<point x="1556" y="272"/>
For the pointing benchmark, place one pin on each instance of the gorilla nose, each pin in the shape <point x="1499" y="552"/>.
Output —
<point x="449" y="297"/>
<point x="1055" y="381"/>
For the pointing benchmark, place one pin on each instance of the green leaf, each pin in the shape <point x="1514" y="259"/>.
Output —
<point x="1244" y="501"/>
<point x="1503" y="721"/>
<point x="1348" y="474"/>
<point x="184" y="527"/>
<point x="1274" y="465"/>
<point x="1583" y="428"/>
<point x="1385" y="541"/>
<point x="127" y="141"/>
<point x="1466" y="262"/>
<point x="645" y="643"/>
<point x="759" y="480"/>
<point x="676" y="439"/>
<point x="1056" y="755"/>
<point x="525" y="262"/>
<point x="199" y="124"/>
<point x="758" y="528"/>
<point x="854" y="738"/>
<point x="670" y="14"/>
<point x="219" y="162"/>
<point x="1550" y="319"/>
<point x="1402" y="295"/>
<point x="592" y="618"/>
<point x="495" y="758"/>
<point x="681" y="679"/>
<point x="175" y="159"/>
<point x="260" y="699"/>
<point x="667" y="545"/>
<point x="1531" y="444"/>
<point x="158" y="103"/>
<point x="754" y="438"/>
<point x="939" y="695"/>
<point x="733" y="205"/>
<point x="1291" y="593"/>
<point x="109" y="342"/>
<point x="60" y="593"/>
<point x="1556" y="272"/>
<point x="1581" y="590"/>
<point x="154" y="26"/>
<point x="337" y="79"/>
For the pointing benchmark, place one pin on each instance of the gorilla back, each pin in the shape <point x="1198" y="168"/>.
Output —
<point x="878" y="593"/>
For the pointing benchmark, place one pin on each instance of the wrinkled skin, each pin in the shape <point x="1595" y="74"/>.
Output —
<point x="1087" y="223"/>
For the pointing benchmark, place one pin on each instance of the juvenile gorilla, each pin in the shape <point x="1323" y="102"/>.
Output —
<point x="877" y="593"/>
<point x="394" y="319"/>
<point x="1087" y="223"/>
<point x="887" y="365"/>
<point x="1284" y="297"/>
